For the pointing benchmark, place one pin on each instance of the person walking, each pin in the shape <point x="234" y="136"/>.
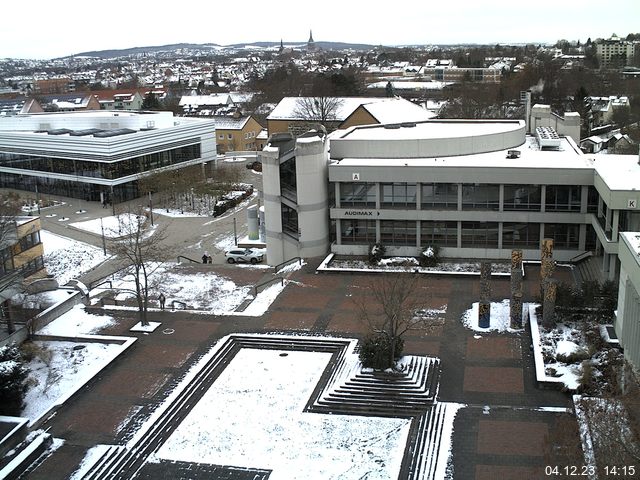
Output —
<point x="161" y="299"/>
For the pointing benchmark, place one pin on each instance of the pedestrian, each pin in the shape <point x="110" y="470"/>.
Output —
<point x="205" y="258"/>
<point x="210" y="259"/>
<point x="161" y="299"/>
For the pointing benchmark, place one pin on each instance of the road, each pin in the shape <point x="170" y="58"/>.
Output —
<point x="188" y="236"/>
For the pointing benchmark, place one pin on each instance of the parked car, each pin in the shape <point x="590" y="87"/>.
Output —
<point x="244" y="255"/>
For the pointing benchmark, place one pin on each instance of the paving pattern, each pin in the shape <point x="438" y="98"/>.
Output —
<point x="500" y="434"/>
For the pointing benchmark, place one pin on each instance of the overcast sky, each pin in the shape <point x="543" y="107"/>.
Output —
<point x="49" y="29"/>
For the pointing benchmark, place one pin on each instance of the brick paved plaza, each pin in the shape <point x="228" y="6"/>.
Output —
<point x="499" y="435"/>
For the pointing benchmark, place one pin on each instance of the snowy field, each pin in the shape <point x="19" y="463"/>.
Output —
<point x="253" y="417"/>
<point x="77" y="322"/>
<point x="67" y="259"/>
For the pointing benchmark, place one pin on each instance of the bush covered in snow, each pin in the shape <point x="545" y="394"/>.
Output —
<point x="376" y="252"/>
<point x="13" y="375"/>
<point x="430" y="256"/>
<point x="375" y="351"/>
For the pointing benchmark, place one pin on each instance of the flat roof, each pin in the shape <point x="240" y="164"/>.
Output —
<point x="619" y="172"/>
<point x="432" y="129"/>
<point x="531" y="156"/>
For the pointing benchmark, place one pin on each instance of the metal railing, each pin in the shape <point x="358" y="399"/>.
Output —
<point x="257" y="288"/>
<point x="187" y="258"/>
<point x="581" y="256"/>
<point x="280" y="266"/>
<point x="174" y="302"/>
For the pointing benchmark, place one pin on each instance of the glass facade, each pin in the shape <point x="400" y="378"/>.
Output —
<point x="480" y="196"/>
<point x="106" y="170"/>
<point x="398" y="232"/>
<point x="521" y="235"/>
<point x="443" y="234"/>
<point x="399" y="195"/>
<point x="522" y="197"/>
<point x="289" y="220"/>
<point x="480" y="234"/>
<point x="564" y="235"/>
<point x="439" y="196"/>
<point x="358" y="231"/>
<point x="358" y="195"/>
<point x="563" y="198"/>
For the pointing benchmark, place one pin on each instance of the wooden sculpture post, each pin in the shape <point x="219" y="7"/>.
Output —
<point x="515" y="304"/>
<point x="484" y="309"/>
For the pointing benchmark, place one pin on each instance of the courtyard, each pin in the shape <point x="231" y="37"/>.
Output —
<point x="496" y="429"/>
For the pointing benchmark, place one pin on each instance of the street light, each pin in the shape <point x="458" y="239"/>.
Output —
<point x="104" y="243"/>
<point x="151" y="209"/>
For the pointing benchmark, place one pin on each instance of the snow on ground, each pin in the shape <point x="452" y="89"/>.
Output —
<point x="112" y="225"/>
<point x="500" y="317"/>
<point x="67" y="259"/>
<point x="409" y="264"/>
<point x="253" y="416"/>
<point x="67" y="368"/>
<point x="263" y="300"/>
<point x="178" y="213"/>
<point x="77" y="322"/>
<point x="199" y="291"/>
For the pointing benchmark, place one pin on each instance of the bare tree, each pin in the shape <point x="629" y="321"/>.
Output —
<point x="142" y="250"/>
<point x="391" y="305"/>
<point x="321" y="109"/>
<point x="610" y="432"/>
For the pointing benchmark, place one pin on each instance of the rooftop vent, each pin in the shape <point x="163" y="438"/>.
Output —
<point x="392" y="126"/>
<point x="408" y="124"/>
<point x="513" y="154"/>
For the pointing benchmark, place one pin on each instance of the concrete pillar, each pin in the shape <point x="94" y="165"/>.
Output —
<point x="252" y="223"/>
<point x="262" y="227"/>
<point x="543" y="198"/>
<point x="484" y="308"/>
<point x="515" y="304"/>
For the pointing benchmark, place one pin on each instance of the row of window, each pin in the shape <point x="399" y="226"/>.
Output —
<point x="247" y="136"/>
<point x="445" y="234"/>
<point x="111" y="170"/>
<point x="444" y="196"/>
<point x="26" y="242"/>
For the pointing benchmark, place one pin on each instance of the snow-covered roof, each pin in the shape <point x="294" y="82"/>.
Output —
<point x="224" y="122"/>
<point x="619" y="172"/>
<point x="199" y="100"/>
<point x="286" y="109"/>
<point x="395" y="111"/>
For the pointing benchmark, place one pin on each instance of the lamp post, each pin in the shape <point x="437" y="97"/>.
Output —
<point x="104" y="243"/>
<point x="150" y="209"/>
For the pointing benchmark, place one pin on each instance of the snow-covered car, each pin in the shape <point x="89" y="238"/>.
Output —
<point x="244" y="255"/>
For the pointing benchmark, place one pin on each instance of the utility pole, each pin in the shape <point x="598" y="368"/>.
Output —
<point x="104" y="242"/>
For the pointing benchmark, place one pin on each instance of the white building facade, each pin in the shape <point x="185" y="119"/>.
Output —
<point x="98" y="155"/>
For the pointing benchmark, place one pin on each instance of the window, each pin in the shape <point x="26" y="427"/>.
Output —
<point x="398" y="232"/>
<point x="439" y="196"/>
<point x="480" y="234"/>
<point x="592" y="199"/>
<point x="229" y="136"/>
<point x="522" y="197"/>
<point x="564" y="235"/>
<point x="564" y="198"/>
<point x="479" y="196"/>
<point x="358" y="231"/>
<point x="524" y="235"/>
<point x="442" y="234"/>
<point x="399" y="195"/>
<point x="29" y="241"/>
<point x="289" y="220"/>
<point x="361" y="195"/>
<point x="221" y="136"/>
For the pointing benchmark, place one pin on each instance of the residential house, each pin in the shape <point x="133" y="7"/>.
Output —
<point x="236" y="133"/>
<point x="70" y="102"/>
<point x="121" y="99"/>
<point x="290" y="116"/>
<point x="18" y="106"/>
<point x="206" y="105"/>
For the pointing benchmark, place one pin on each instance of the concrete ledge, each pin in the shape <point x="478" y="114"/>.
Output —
<point x="541" y="377"/>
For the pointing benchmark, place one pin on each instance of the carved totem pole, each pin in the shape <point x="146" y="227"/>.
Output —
<point x="484" y="308"/>
<point x="515" y="304"/>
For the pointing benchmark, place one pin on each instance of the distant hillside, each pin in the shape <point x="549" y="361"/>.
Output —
<point x="323" y="45"/>
<point x="214" y="46"/>
<point x="153" y="49"/>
